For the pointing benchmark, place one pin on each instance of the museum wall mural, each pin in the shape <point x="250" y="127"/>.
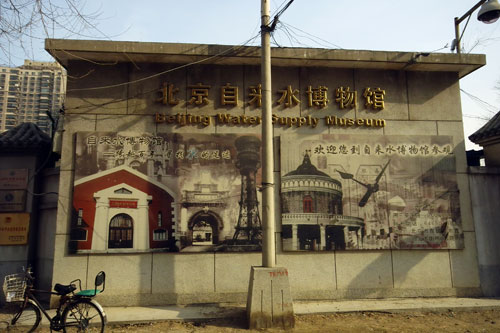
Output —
<point x="136" y="192"/>
<point x="354" y="192"/>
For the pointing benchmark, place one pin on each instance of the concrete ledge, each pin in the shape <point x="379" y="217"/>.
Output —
<point x="65" y="50"/>
<point x="399" y="305"/>
<point x="372" y="293"/>
<point x="157" y="299"/>
<point x="483" y="170"/>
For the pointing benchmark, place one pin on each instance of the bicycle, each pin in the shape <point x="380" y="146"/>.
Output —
<point x="76" y="311"/>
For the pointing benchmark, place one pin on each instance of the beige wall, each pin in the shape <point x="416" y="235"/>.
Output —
<point x="417" y="103"/>
<point x="485" y="185"/>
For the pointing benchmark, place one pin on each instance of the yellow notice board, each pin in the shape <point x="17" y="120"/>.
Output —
<point x="14" y="228"/>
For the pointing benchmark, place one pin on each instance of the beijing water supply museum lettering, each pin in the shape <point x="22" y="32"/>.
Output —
<point x="318" y="97"/>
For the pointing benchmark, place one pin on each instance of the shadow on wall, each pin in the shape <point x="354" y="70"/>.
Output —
<point x="438" y="84"/>
<point x="134" y="279"/>
<point x="382" y="276"/>
<point x="485" y="191"/>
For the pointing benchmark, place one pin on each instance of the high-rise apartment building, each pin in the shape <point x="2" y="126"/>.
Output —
<point x="29" y="92"/>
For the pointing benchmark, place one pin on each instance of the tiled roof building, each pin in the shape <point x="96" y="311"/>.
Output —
<point x="25" y="137"/>
<point x="488" y="136"/>
<point x="489" y="130"/>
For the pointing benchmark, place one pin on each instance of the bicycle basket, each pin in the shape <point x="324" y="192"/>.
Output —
<point x="14" y="286"/>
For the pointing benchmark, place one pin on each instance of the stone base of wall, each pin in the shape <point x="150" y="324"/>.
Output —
<point x="107" y="299"/>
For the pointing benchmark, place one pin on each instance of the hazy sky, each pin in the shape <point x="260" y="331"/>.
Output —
<point x="388" y="25"/>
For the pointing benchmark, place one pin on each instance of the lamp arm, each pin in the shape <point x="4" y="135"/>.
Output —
<point x="459" y="20"/>
<point x="469" y="13"/>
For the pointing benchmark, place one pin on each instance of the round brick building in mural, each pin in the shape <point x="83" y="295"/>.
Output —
<point x="312" y="212"/>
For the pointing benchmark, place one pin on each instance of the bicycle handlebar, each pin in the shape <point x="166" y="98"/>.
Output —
<point x="28" y="273"/>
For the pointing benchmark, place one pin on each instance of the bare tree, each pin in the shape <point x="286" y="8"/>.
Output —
<point x="24" y="23"/>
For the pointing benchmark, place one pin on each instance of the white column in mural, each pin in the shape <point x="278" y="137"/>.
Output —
<point x="322" y="232"/>
<point x="101" y="221"/>
<point x="346" y="235"/>
<point x="151" y="167"/>
<point x="141" y="230"/>
<point x="183" y="221"/>
<point x="295" y="241"/>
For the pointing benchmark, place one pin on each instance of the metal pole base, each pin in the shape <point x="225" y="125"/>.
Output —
<point x="269" y="302"/>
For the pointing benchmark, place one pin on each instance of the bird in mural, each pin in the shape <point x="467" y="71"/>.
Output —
<point x="370" y="188"/>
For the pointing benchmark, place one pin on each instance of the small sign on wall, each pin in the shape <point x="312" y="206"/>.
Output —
<point x="13" y="179"/>
<point x="12" y="200"/>
<point x="14" y="228"/>
<point x="13" y="184"/>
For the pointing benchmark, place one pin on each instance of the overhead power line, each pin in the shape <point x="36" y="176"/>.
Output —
<point x="482" y="104"/>
<point x="290" y="29"/>
<point x="163" y="72"/>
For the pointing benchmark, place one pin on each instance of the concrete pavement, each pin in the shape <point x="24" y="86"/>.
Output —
<point x="134" y="314"/>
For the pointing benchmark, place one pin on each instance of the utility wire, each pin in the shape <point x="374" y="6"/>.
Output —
<point x="289" y="33"/>
<point x="279" y="8"/>
<point x="483" y="104"/>
<point x="114" y="101"/>
<point x="167" y="71"/>
<point x="274" y="22"/>
<point x="309" y="36"/>
<point x="476" y="117"/>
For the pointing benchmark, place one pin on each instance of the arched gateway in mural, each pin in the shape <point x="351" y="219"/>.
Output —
<point x="204" y="227"/>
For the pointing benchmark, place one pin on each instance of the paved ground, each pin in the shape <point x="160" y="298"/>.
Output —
<point x="196" y="312"/>
<point x="382" y="315"/>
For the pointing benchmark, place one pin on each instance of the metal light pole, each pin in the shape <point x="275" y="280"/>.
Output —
<point x="268" y="241"/>
<point x="459" y="20"/>
<point x="489" y="13"/>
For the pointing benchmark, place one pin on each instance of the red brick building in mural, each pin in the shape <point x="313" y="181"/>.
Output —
<point x="110" y="208"/>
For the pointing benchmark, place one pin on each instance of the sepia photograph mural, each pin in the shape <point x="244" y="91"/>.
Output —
<point x="355" y="192"/>
<point x="137" y="192"/>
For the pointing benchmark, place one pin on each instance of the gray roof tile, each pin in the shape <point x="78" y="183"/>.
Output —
<point x="491" y="128"/>
<point x="26" y="136"/>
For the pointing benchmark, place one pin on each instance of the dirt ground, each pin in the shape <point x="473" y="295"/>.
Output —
<point x="473" y="321"/>
<point x="450" y="321"/>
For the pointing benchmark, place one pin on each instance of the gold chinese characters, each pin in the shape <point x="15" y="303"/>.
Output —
<point x="314" y="97"/>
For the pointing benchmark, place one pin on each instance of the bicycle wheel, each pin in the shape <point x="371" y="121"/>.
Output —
<point x="23" y="320"/>
<point x="83" y="316"/>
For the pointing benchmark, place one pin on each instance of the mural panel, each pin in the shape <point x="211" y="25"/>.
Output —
<point x="137" y="192"/>
<point x="356" y="192"/>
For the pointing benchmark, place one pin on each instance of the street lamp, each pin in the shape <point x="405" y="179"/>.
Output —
<point x="489" y="13"/>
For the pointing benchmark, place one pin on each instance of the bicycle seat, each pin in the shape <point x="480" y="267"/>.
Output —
<point x="100" y="280"/>
<point x="62" y="289"/>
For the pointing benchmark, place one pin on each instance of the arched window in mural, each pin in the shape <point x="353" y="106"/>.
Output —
<point x="308" y="204"/>
<point x="79" y="221"/>
<point x="121" y="232"/>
